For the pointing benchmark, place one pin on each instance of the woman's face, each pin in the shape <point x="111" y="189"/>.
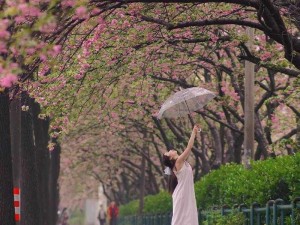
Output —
<point x="172" y="154"/>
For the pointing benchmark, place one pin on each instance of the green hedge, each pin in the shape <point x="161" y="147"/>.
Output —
<point x="216" y="218"/>
<point x="129" y="209"/>
<point x="76" y="218"/>
<point x="232" y="184"/>
<point x="162" y="203"/>
<point x="159" y="203"/>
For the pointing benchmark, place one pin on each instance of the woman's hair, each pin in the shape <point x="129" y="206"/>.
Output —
<point x="172" y="181"/>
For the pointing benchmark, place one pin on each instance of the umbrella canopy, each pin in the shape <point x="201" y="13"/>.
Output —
<point x="184" y="102"/>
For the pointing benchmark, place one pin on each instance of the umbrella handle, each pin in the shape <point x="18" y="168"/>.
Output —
<point x="189" y="115"/>
<point x="191" y="120"/>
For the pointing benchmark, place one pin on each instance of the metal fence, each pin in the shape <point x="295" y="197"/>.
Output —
<point x="275" y="212"/>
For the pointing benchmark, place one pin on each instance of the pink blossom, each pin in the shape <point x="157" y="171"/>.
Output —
<point x="4" y="24"/>
<point x="86" y="47"/>
<point x="41" y="45"/>
<point x="81" y="12"/>
<point x="36" y="2"/>
<point x="48" y="28"/>
<point x="111" y="62"/>
<point x="14" y="50"/>
<point x="223" y="89"/>
<point x="11" y="2"/>
<point x="30" y="51"/>
<point x="149" y="36"/>
<point x="20" y="19"/>
<point x="8" y="80"/>
<point x="155" y="114"/>
<point x="121" y="14"/>
<point x="279" y="47"/>
<point x="43" y="57"/>
<point x="233" y="95"/>
<point x="57" y="49"/>
<point x="214" y="38"/>
<point x="85" y="66"/>
<point x="275" y="121"/>
<point x="222" y="115"/>
<point x="34" y="11"/>
<point x="55" y="134"/>
<point x="101" y="20"/>
<point x="3" y="47"/>
<point x="66" y="120"/>
<point x="266" y="56"/>
<point x="130" y="102"/>
<point x="43" y="70"/>
<point x="114" y="22"/>
<point x="135" y="11"/>
<point x="78" y="76"/>
<point x="23" y="7"/>
<point x="27" y="10"/>
<point x="13" y="66"/>
<point x="67" y="3"/>
<point x="36" y="84"/>
<point x="51" y="147"/>
<point x="127" y="24"/>
<point x="284" y="10"/>
<point x="114" y="115"/>
<point x="187" y="34"/>
<point x="96" y="11"/>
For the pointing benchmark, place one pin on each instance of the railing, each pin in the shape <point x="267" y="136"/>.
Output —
<point x="274" y="213"/>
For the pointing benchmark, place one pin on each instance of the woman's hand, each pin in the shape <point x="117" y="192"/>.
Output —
<point x="196" y="128"/>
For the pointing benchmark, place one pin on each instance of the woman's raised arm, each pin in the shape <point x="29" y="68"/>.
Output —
<point x="187" y="151"/>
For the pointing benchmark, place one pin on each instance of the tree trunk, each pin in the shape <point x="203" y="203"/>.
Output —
<point x="298" y="133"/>
<point x="142" y="179"/>
<point x="53" y="182"/>
<point x="29" y="198"/>
<point x="15" y="133"/>
<point x="203" y="156"/>
<point x="238" y="142"/>
<point x="152" y="180"/>
<point x="41" y="127"/>
<point x="217" y="145"/>
<point x="262" y="147"/>
<point x="6" y="176"/>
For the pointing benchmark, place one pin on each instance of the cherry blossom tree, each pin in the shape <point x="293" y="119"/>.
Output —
<point x="101" y="70"/>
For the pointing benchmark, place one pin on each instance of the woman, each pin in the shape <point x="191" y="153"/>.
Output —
<point x="181" y="184"/>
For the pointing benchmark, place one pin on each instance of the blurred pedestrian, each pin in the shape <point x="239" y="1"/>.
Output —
<point x="113" y="213"/>
<point x="102" y="215"/>
<point x="63" y="217"/>
<point x="181" y="184"/>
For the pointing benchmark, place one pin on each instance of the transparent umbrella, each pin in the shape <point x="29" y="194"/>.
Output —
<point x="184" y="102"/>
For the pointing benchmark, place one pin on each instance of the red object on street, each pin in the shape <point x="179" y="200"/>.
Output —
<point x="17" y="204"/>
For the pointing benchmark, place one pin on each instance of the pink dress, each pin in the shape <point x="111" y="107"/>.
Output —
<point x="184" y="201"/>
